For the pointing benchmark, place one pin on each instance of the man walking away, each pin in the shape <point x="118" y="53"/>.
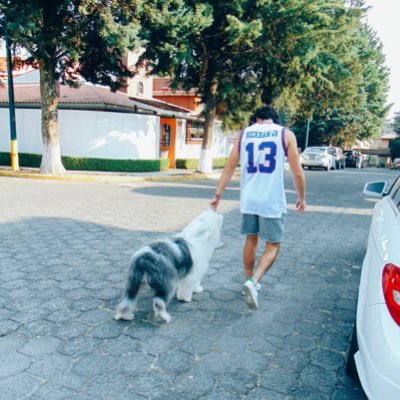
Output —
<point x="261" y="149"/>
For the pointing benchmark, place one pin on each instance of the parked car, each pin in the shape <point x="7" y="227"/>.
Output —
<point x="337" y="153"/>
<point x="374" y="354"/>
<point x="396" y="163"/>
<point x="354" y="159"/>
<point x="317" y="157"/>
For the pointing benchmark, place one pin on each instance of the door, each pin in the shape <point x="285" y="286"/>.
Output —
<point x="168" y="139"/>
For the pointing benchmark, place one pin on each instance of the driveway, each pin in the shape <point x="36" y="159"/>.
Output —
<point x="64" y="253"/>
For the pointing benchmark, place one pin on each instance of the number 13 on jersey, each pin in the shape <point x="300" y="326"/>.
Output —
<point x="269" y="163"/>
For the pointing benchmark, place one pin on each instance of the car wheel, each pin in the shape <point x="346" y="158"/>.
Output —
<point x="351" y="368"/>
<point x="326" y="168"/>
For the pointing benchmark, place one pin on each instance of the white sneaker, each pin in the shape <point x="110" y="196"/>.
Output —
<point x="258" y="288"/>
<point x="251" y="295"/>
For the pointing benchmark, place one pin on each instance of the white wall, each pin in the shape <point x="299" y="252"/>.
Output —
<point x="220" y="146"/>
<point x="28" y="130"/>
<point x="88" y="134"/>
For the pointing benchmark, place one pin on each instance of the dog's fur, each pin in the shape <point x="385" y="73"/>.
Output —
<point x="176" y="265"/>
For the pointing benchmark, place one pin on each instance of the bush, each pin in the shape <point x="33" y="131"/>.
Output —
<point x="395" y="148"/>
<point x="192" y="163"/>
<point x="186" y="163"/>
<point x="219" y="162"/>
<point x="24" y="159"/>
<point x="91" y="164"/>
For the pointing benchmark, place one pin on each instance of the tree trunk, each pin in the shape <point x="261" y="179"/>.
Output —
<point x="51" y="158"/>
<point x="205" y="162"/>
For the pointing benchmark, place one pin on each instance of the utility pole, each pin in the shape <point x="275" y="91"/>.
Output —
<point x="11" y="106"/>
<point x="307" y="132"/>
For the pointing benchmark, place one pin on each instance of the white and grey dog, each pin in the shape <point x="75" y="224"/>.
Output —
<point x="176" y="265"/>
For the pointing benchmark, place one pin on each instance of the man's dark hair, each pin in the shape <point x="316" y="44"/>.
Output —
<point x="267" y="112"/>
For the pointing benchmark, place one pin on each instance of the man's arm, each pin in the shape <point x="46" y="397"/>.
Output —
<point x="296" y="168"/>
<point x="226" y="175"/>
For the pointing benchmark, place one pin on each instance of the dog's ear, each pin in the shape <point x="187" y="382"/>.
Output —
<point x="203" y="232"/>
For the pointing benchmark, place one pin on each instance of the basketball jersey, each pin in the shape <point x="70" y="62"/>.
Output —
<point x="262" y="156"/>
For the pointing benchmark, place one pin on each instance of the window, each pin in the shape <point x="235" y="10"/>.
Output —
<point x="395" y="193"/>
<point x="194" y="132"/>
<point x="396" y="199"/>
<point x="395" y="186"/>
<point x="140" y="89"/>
<point x="165" y="135"/>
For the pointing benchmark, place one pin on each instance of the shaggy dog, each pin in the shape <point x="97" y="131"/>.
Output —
<point x="176" y="265"/>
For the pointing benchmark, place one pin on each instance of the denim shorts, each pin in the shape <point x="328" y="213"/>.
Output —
<point x="268" y="229"/>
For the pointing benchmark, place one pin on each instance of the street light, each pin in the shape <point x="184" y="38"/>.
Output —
<point x="307" y="132"/>
<point x="11" y="106"/>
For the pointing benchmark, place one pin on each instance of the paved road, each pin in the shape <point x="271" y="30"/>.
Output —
<point x="64" y="253"/>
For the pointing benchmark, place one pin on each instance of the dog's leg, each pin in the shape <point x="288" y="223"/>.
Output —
<point x="199" y="288"/>
<point x="160" y="309"/>
<point x="184" y="291"/>
<point x="125" y="310"/>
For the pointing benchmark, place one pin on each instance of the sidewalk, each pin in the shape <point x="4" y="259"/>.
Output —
<point x="171" y="175"/>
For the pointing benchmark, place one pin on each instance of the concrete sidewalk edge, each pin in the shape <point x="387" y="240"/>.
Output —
<point x="109" y="177"/>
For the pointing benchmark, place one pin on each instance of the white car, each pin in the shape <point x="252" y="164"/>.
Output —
<point x="317" y="157"/>
<point x="374" y="353"/>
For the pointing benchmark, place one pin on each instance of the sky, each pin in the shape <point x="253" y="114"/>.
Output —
<point x="383" y="17"/>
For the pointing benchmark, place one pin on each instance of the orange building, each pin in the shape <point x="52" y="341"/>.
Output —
<point x="188" y="100"/>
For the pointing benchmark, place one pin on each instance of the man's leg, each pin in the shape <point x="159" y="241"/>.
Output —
<point x="266" y="260"/>
<point x="249" y="254"/>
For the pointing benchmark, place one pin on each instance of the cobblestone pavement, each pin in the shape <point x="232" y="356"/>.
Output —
<point x="64" y="254"/>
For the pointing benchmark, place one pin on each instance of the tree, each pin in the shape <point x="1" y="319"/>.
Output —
<point x="211" y="56"/>
<point x="396" y="122"/>
<point x="69" y="37"/>
<point x="348" y="101"/>
<point x="253" y="53"/>
<point x="395" y="148"/>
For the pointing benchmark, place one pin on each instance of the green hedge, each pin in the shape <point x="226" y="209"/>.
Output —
<point x="192" y="163"/>
<point x="24" y="159"/>
<point x="91" y="164"/>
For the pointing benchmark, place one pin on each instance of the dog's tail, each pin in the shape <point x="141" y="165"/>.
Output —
<point x="135" y="277"/>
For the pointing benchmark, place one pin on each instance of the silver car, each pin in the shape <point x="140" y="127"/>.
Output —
<point x="317" y="157"/>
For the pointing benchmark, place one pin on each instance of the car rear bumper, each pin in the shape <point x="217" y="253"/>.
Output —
<point x="315" y="163"/>
<point x="377" y="360"/>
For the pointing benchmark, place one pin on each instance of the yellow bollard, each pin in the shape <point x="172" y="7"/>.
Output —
<point x="14" y="156"/>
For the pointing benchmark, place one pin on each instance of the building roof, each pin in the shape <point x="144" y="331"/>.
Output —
<point x="19" y="67"/>
<point x="91" y="97"/>
<point x="162" y="87"/>
<point x="389" y="136"/>
<point x="161" y="104"/>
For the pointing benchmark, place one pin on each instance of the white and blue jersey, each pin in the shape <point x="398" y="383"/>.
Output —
<point x="262" y="156"/>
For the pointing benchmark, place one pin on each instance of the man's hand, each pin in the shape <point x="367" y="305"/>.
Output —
<point x="215" y="201"/>
<point x="300" y="205"/>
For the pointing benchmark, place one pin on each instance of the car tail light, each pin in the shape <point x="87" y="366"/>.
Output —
<point x="391" y="290"/>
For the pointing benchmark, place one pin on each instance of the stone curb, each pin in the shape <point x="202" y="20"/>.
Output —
<point x="98" y="177"/>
